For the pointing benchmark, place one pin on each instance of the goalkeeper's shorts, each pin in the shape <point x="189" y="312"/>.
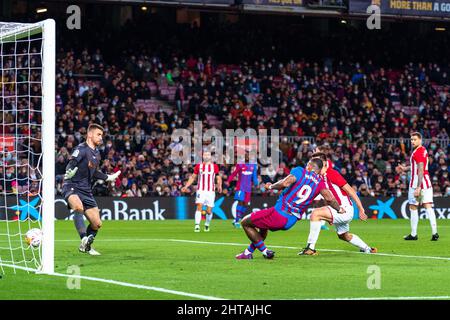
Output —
<point x="86" y="197"/>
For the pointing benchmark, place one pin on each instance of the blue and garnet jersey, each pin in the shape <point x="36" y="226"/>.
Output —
<point x="247" y="176"/>
<point x="298" y="197"/>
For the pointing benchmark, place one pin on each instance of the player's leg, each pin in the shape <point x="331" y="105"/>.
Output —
<point x="256" y="226"/>
<point x="209" y="202"/>
<point x="209" y="216"/>
<point x="256" y="238"/>
<point x="240" y="208"/>
<point x="95" y="223"/>
<point x="198" y="216"/>
<point x="263" y="233"/>
<point x="344" y="234"/>
<point x="432" y="217"/>
<point x="427" y="202"/>
<point x="76" y="206"/>
<point x="414" y="217"/>
<point x="315" y="224"/>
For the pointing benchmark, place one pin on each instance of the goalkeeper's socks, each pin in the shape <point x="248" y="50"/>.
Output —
<point x="78" y="220"/>
<point x="91" y="231"/>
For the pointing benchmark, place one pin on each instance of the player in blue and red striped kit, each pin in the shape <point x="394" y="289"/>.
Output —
<point x="247" y="176"/>
<point x="301" y="187"/>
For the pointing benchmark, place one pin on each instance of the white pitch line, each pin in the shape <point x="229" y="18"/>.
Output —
<point x="272" y="246"/>
<point x="193" y="295"/>
<point x="121" y="283"/>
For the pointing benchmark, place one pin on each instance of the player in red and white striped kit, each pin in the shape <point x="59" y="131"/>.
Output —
<point x="342" y="191"/>
<point x="420" y="187"/>
<point x="207" y="172"/>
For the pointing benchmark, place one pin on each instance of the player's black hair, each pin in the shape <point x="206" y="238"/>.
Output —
<point x="317" y="162"/>
<point x="321" y="155"/>
<point x="94" y="126"/>
<point x="416" y="134"/>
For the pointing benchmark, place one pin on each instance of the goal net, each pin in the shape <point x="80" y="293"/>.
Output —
<point x="27" y="122"/>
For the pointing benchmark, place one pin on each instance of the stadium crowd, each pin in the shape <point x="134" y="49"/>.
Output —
<point x="347" y="106"/>
<point x="352" y="106"/>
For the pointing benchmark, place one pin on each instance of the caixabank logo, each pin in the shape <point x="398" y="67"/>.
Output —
<point x="398" y="208"/>
<point x="22" y="209"/>
<point x="124" y="208"/>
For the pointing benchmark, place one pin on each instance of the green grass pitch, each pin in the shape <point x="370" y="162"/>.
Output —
<point x="139" y="253"/>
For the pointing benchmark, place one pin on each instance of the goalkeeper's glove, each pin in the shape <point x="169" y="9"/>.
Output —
<point x="70" y="173"/>
<point x="113" y="177"/>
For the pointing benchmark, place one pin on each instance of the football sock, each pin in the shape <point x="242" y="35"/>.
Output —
<point x="432" y="217"/>
<point x="240" y="212"/>
<point x="261" y="247"/>
<point x="78" y="220"/>
<point x="314" y="231"/>
<point x="91" y="231"/>
<point x="414" y="222"/>
<point x="357" y="242"/>
<point x="198" y="217"/>
<point x="208" y="219"/>
<point x="251" y="248"/>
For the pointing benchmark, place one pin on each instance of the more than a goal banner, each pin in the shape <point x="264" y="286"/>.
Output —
<point x="412" y="8"/>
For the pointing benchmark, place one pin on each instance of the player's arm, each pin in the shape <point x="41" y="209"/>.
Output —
<point x="286" y="182"/>
<point x="232" y="175"/>
<point x="402" y="168"/>
<point x="351" y="192"/>
<point x="106" y="177"/>
<point x="191" y="178"/>
<point x="189" y="182"/>
<point x="331" y="200"/>
<point x="219" y="183"/>
<point x="420" y="173"/>
<point x="72" y="166"/>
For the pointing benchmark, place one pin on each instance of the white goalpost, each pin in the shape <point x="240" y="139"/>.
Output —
<point x="27" y="142"/>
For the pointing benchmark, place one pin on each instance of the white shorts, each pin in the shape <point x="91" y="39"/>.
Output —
<point x="426" y="196"/>
<point x="341" y="221"/>
<point x="205" y="198"/>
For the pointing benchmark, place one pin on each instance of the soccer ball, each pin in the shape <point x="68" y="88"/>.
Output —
<point x="33" y="237"/>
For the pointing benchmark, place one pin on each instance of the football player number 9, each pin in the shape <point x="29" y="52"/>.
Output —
<point x="303" y="194"/>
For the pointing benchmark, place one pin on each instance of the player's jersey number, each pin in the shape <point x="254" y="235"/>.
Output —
<point x="303" y="194"/>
